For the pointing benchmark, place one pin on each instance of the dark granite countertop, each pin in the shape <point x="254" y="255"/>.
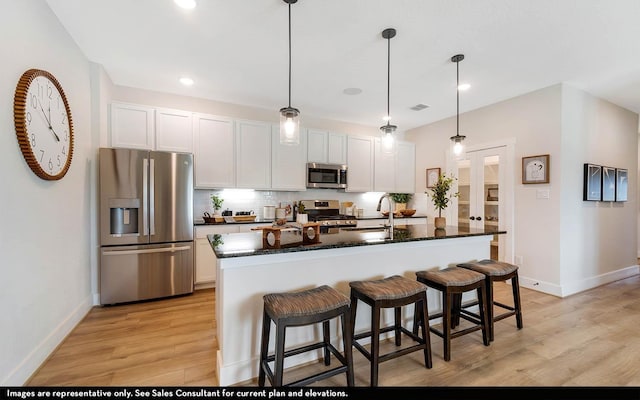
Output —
<point x="199" y="222"/>
<point x="251" y="243"/>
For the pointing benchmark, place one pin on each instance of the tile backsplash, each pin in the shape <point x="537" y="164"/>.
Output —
<point x="250" y="200"/>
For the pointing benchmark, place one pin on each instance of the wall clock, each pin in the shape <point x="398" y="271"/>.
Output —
<point x="43" y="124"/>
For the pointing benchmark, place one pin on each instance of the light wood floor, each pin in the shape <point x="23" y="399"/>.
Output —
<point x="588" y="339"/>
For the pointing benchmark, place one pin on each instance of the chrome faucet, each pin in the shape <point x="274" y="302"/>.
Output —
<point x="390" y="221"/>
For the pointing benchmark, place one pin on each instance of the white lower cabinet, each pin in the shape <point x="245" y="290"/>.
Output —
<point x="205" y="258"/>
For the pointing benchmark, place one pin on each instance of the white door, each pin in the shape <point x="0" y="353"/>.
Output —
<point x="482" y="187"/>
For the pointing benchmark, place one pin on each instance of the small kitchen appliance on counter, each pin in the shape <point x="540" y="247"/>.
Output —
<point x="327" y="213"/>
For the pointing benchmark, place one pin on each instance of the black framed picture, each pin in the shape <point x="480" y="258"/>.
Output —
<point x="608" y="184"/>
<point x="622" y="182"/>
<point x="592" y="190"/>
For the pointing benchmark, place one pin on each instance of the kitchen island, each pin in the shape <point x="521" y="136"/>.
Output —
<point x="248" y="268"/>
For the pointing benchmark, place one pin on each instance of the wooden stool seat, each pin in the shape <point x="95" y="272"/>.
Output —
<point x="392" y="292"/>
<point x="453" y="282"/>
<point x="290" y="309"/>
<point x="498" y="271"/>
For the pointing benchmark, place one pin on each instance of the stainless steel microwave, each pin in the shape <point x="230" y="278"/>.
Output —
<point x="330" y="176"/>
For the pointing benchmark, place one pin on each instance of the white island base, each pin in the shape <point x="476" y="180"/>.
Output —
<point x="243" y="280"/>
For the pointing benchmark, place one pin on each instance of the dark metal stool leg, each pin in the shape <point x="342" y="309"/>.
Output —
<point x="325" y="340"/>
<point x="489" y="294"/>
<point x="482" y="305"/>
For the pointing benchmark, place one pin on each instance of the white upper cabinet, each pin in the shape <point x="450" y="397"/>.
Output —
<point x="253" y="154"/>
<point x="132" y="126"/>
<point x="405" y="168"/>
<point x="360" y="158"/>
<point x="326" y="147"/>
<point x="384" y="174"/>
<point x="214" y="155"/>
<point x="174" y="130"/>
<point x="288" y="163"/>
<point x="395" y="172"/>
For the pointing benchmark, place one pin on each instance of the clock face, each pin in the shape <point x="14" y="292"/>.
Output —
<point x="43" y="124"/>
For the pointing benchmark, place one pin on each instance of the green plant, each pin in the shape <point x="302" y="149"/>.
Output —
<point x="440" y="195"/>
<point x="301" y="209"/>
<point x="217" y="202"/>
<point x="401" y="197"/>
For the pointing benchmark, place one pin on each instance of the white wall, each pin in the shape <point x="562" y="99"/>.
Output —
<point x="563" y="251"/>
<point x="46" y="226"/>
<point x="598" y="239"/>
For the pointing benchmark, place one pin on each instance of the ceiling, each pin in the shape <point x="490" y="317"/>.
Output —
<point x="237" y="51"/>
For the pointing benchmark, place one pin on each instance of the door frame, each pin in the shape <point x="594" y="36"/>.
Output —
<point x="508" y="194"/>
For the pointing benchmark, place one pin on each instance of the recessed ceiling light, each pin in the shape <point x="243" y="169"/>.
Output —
<point x="464" y="86"/>
<point x="186" y="4"/>
<point x="352" y="91"/>
<point x="186" y="81"/>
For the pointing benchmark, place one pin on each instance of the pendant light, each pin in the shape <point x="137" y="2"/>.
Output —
<point x="388" y="130"/>
<point x="457" y="139"/>
<point x="289" y="116"/>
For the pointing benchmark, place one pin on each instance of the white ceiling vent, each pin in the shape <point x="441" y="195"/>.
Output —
<point x="419" y="107"/>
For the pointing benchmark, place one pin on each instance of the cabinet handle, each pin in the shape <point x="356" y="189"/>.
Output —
<point x="479" y="218"/>
<point x="472" y="218"/>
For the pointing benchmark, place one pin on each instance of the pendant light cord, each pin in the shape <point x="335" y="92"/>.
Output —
<point x="289" y="55"/>
<point x="457" y="98"/>
<point x="388" y="77"/>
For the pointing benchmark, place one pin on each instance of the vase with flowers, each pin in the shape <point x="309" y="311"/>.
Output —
<point x="441" y="196"/>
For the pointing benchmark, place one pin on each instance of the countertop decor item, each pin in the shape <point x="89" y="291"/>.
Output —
<point x="401" y="200"/>
<point x="407" y="212"/>
<point x="43" y="124"/>
<point x="216" y="201"/>
<point x="440" y="197"/>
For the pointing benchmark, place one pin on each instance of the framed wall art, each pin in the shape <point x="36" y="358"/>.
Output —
<point x="535" y="169"/>
<point x="592" y="189"/>
<point x="608" y="184"/>
<point x="622" y="181"/>
<point x="433" y="174"/>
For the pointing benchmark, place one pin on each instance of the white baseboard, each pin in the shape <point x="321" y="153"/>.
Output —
<point x="599" y="280"/>
<point x="31" y="363"/>
<point x="578" y="286"/>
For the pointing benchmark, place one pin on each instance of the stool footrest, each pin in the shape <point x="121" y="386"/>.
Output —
<point x="304" y="349"/>
<point x="393" y="354"/>
<point x="319" y="376"/>
<point x="456" y="333"/>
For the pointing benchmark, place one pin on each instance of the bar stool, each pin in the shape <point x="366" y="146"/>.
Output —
<point x="290" y="309"/>
<point x="498" y="271"/>
<point x="454" y="281"/>
<point x="392" y="292"/>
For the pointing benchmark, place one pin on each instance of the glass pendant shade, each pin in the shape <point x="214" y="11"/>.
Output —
<point x="458" y="146"/>
<point x="289" y="126"/>
<point x="388" y="138"/>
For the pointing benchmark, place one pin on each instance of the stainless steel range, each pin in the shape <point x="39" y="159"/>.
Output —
<point x="327" y="213"/>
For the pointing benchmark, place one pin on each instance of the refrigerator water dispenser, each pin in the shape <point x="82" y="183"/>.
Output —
<point x="123" y="216"/>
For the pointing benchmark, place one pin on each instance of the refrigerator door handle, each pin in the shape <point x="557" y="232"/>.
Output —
<point x="152" y="198"/>
<point x="144" y="251"/>
<point x="145" y="196"/>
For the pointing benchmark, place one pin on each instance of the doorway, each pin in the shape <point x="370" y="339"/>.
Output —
<point x="485" y="186"/>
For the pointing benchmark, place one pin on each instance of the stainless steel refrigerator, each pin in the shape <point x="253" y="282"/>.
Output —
<point x="146" y="224"/>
